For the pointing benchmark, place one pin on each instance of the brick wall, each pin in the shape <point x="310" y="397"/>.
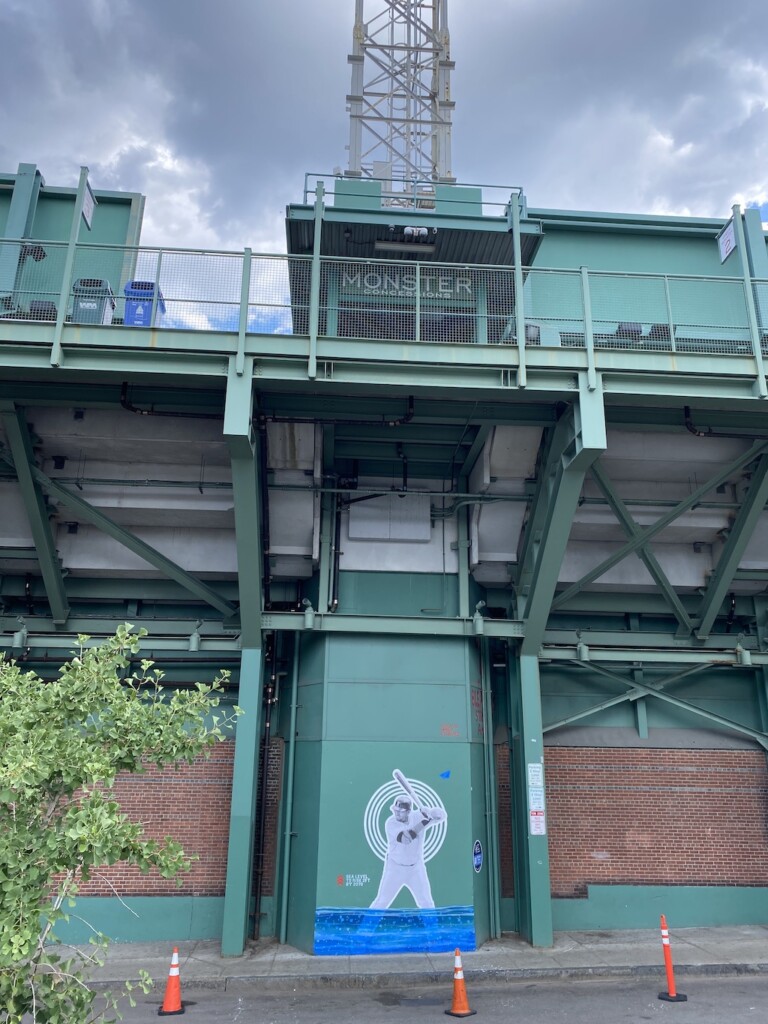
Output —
<point x="191" y="804"/>
<point x="272" y="820"/>
<point x="656" y="817"/>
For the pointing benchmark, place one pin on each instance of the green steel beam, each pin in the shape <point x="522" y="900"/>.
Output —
<point x="632" y="694"/>
<point x="661" y="523"/>
<point x="242" y="817"/>
<point x="18" y="553"/>
<point x="531" y="860"/>
<point x="639" y="639"/>
<point x="243" y="454"/>
<point x="632" y="530"/>
<point x="391" y="625"/>
<point x="130" y="541"/>
<point x="735" y="546"/>
<point x="654" y="691"/>
<point x="656" y="656"/>
<point x="20" y="444"/>
<point x="579" y="442"/>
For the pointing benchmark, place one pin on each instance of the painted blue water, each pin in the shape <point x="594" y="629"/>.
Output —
<point x="345" y="931"/>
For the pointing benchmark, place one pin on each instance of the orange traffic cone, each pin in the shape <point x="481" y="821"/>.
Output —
<point x="459" y="1006"/>
<point x="172" y="1001"/>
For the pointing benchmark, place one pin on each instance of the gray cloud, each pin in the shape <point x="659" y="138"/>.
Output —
<point x="215" y="111"/>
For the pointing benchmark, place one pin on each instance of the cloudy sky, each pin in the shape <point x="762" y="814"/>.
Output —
<point x="215" y="110"/>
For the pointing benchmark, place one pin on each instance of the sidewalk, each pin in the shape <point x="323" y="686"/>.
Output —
<point x="266" y="964"/>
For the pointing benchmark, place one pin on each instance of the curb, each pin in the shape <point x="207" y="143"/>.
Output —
<point x="293" y="983"/>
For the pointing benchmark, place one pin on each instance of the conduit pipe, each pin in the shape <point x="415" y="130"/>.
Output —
<point x="288" y="813"/>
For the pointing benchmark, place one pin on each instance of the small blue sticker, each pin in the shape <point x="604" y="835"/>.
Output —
<point x="477" y="855"/>
<point x="445" y="775"/>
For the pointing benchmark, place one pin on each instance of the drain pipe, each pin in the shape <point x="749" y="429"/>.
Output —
<point x="264" y="489"/>
<point x="491" y="792"/>
<point x="289" y="834"/>
<point x="270" y="699"/>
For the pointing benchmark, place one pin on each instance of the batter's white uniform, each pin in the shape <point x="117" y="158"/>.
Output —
<point x="404" y="863"/>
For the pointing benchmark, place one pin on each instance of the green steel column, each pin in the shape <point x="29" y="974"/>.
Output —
<point x="314" y="284"/>
<point x="238" y="431"/>
<point x="21" y="213"/>
<point x="242" y="818"/>
<point x="532" y="884"/>
<point x="754" y="330"/>
<point x="69" y="263"/>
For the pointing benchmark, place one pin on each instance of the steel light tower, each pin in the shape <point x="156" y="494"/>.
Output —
<point x="400" y="99"/>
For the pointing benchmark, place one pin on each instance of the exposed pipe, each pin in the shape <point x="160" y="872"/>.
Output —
<point x="332" y="421"/>
<point x="271" y="696"/>
<point x="288" y="813"/>
<point x="336" y="560"/>
<point x="691" y="428"/>
<point x="157" y="412"/>
<point x="264" y="493"/>
<point x="491" y="790"/>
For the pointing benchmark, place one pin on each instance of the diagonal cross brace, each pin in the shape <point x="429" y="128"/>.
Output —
<point x="131" y="541"/>
<point x="631" y="694"/>
<point x="654" y="691"/>
<point x="22" y="460"/>
<point x="741" y="532"/>
<point x="642" y="538"/>
<point x="632" y="530"/>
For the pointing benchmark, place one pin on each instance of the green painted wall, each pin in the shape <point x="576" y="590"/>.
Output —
<point x="632" y="253"/>
<point x="408" y="704"/>
<point x="639" y="906"/>
<point x="160" y="918"/>
<point x="402" y="593"/>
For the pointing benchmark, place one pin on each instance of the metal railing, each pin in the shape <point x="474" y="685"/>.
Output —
<point x="380" y="300"/>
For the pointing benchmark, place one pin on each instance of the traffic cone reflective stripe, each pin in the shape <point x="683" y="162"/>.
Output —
<point x="459" y="1005"/>
<point x="172" y="1004"/>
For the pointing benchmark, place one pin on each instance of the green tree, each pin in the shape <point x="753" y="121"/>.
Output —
<point x="62" y="744"/>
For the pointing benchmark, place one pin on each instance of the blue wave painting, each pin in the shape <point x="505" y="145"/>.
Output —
<point x="346" y="931"/>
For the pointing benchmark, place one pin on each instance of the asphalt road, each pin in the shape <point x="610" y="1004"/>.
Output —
<point x="711" y="1000"/>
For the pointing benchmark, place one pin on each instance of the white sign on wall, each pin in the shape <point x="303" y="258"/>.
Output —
<point x="726" y="241"/>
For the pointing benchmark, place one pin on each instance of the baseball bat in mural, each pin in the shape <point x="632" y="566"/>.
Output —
<point x="398" y="776"/>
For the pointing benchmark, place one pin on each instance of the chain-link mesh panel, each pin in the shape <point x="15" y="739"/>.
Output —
<point x="278" y="297"/>
<point x="200" y="291"/>
<point x="629" y="312"/>
<point x="554" y="308"/>
<point x="33" y="275"/>
<point x="710" y="315"/>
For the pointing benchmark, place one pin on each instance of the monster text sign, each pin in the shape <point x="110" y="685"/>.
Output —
<point x="402" y="284"/>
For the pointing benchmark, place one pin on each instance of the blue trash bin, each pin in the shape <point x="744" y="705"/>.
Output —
<point x="139" y="296"/>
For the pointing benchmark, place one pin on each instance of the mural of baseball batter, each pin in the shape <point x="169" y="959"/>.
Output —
<point x="404" y="865"/>
<point x="405" y="825"/>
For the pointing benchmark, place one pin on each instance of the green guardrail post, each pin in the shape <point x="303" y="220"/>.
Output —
<point x="589" y="334"/>
<point x="514" y="203"/>
<point x="245" y="287"/>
